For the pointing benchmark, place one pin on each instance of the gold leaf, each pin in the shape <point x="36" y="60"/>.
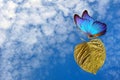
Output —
<point x="90" y="56"/>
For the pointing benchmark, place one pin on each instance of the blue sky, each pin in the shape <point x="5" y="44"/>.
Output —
<point x="37" y="39"/>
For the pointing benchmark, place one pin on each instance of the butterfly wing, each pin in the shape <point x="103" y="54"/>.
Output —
<point x="85" y="15"/>
<point x="83" y="24"/>
<point x="88" y="25"/>
<point x="97" y="29"/>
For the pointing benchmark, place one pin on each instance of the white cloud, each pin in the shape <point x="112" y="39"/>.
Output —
<point x="18" y="1"/>
<point x="102" y="7"/>
<point x="7" y="16"/>
<point x="2" y="37"/>
<point x="28" y="37"/>
<point x="48" y="30"/>
<point x="61" y="29"/>
<point x="91" y="0"/>
<point x="28" y="47"/>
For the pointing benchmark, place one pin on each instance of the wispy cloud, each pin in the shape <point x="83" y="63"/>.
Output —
<point x="31" y="30"/>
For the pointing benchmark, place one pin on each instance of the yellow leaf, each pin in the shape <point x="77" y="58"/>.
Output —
<point x="90" y="56"/>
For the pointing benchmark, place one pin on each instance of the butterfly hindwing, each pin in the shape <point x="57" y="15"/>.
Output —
<point x="98" y="27"/>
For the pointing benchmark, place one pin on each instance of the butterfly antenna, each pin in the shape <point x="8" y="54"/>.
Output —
<point x="82" y="39"/>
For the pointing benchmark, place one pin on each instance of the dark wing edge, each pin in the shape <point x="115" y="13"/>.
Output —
<point x="104" y="27"/>
<point x="85" y="15"/>
<point x="85" y="12"/>
<point x="75" y="17"/>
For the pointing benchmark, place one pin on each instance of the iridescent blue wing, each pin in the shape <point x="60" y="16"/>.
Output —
<point x="88" y="25"/>
<point x="97" y="29"/>
<point x="83" y="24"/>
<point x="85" y="15"/>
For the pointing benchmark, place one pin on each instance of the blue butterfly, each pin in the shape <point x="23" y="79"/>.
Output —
<point x="89" y="26"/>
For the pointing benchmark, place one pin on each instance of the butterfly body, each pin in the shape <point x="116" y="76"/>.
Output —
<point x="89" y="26"/>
